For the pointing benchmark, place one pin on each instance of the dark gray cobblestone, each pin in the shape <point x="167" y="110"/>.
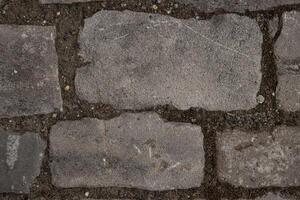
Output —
<point x="29" y="74"/>
<point x="287" y="49"/>
<point x="20" y="160"/>
<point x="133" y="150"/>
<point x="141" y="60"/>
<point x="259" y="159"/>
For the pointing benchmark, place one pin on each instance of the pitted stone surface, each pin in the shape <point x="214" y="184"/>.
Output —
<point x="236" y="5"/>
<point x="140" y="60"/>
<point x="287" y="49"/>
<point x="272" y="196"/>
<point x="20" y="160"/>
<point x="29" y="75"/>
<point x="133" y="150"/>
<point x="259" y="159"/>
<point x="288" y="92"/>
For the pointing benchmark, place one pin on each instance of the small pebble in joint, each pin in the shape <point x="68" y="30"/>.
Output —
<point x="86" y="194"/>
<point x="58" y="13"/>
<point x="15" y="71"/>
<point x="155" y="7"/>
<point x="260" y="99"/>
<point x="123" y="4"/>
<point x="44" y="22"/>
<point x="67" y="88"/>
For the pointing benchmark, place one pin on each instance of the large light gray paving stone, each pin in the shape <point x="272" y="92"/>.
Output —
<point x="287" y="49"/>
<point x="133" y="150"/>
<point x="139" y="60"/>
<point x="20" y="160"/>
<point x="29" y="75"/>
<point x="237" y="5"/>
<point x="253" y="160"/>
<point x="272" y="196"/>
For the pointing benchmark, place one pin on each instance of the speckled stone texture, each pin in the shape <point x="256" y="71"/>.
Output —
<point x="29" y="76"/>
<point x="133" y="150"/>
<point x="20" y="160"/>
<point x="236" y="5"/>
<point x="271" y="196"/>
<point x="252" y="160"/>
<point x="64" y="1"/>
<point x="140" y="60"/>
<point x="287" y="50"/>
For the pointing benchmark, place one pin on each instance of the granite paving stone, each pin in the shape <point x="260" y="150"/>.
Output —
<point x="29" y="71"/>
<point x="133" y="150"/>
<point x="139" y="60"/>
<point x="20" y="160"/>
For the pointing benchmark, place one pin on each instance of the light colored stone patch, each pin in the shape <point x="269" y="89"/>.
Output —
<point x="139" y="60"/>
<point x="13" y="142"/>
<point x="133" y="150"/>
<point x="259" y="159"/>
<point x="29" y="71"/>
<point x="20" y="160"/>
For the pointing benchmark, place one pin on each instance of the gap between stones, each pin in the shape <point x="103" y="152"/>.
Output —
<point x="68" y="19"/>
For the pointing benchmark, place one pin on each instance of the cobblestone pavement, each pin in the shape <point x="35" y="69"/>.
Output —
<point x="149" y="99"/>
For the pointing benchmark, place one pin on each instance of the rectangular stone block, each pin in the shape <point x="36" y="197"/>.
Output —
<point x="133" y="150"/>
<point x="29" y="76"/>
<point x="260" y="159"/>
<point x="20" y="160"/>
<point x="287" y="50"/>
<point x="237" y="5"/>
<point x="139" y="60"/>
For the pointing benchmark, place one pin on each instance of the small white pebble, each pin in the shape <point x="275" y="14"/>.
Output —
<point x="175" y="5"/>
<point x="54" y="115"/>
<point x="123" y="4"/>
<point x="155" y="7"/>
<point x="260" y="99"/>
<point x="44" y="22"/>
<point x="58" y="13"/>
<point x="86" y="194"/>
<point x="67" y="88"/>
<point x="15" y="71"/>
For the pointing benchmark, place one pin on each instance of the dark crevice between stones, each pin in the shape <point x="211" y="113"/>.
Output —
<point x="68" y="19"/>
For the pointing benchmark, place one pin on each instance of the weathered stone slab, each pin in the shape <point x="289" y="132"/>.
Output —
<point x="260" y="159"/>
<point x="287" y="49"/>
<point x="20" y="160"/>
<point x="133" y="150"/>
<point x="237" y="5"/>
<point x="29" y="75"/>
<point x="140" y="60"/>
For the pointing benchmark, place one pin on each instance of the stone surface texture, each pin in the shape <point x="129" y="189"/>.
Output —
<point x="287" y="49"/>
<point x="236" y="5"/>
<point x="261" y="159"/>
<point x="133" y="150"/>
<point x="29" y="75"/>
<point x="214" y="5"/>
<point x="20" y="160"/>
<point x="64" y="1"/>
<point x="140" y="60"/>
